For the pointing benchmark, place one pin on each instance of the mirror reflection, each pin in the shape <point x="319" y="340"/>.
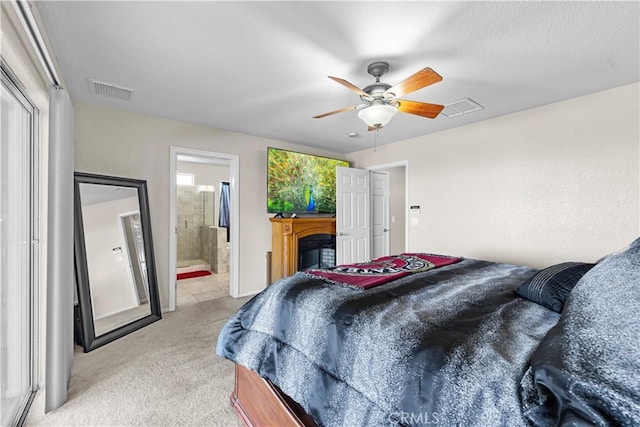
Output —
<point x="116" y="263"/>
<point x="117" y="287"/>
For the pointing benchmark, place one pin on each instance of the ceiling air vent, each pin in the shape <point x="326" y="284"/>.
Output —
<point x="461" y="107"/>
<point x="110" y="90"/>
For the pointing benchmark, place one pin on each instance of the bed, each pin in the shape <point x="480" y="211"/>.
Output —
<point x="466" y="343"/>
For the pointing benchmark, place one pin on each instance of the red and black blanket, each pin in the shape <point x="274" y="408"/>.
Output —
<point x="382" y="270"/>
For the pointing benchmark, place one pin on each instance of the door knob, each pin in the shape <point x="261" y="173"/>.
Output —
<point x="385" y="230"/>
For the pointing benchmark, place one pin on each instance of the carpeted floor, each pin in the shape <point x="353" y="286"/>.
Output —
<point x="166" y="374"/>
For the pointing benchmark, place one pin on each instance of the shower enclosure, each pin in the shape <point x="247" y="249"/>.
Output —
<point x="199" y="241"/>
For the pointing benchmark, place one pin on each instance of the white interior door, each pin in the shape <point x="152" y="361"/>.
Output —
<point x="353" y="229"/>
<point x="379" y="214"/>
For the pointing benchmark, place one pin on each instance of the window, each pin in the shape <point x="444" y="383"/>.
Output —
<point x="18" y="249"/>
<point x="185" y="178"/>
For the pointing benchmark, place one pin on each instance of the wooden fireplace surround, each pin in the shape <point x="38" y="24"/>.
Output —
<point x="285" y="233"/>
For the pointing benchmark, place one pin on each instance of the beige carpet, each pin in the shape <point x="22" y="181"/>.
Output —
<point x="166" y="374"/>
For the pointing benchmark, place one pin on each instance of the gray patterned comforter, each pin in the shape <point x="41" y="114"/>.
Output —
<point x="445" y="347"/>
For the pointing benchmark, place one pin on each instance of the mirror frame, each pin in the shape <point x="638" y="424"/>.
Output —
<point x="90" y="341"/>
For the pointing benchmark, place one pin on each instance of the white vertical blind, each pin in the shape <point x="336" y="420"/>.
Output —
<point x="17" y="236"/>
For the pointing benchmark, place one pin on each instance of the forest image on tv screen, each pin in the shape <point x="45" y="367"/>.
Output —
<point x="300" y="182"/>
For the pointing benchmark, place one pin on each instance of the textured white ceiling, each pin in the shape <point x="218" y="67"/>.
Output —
<point x="261" y="68"/>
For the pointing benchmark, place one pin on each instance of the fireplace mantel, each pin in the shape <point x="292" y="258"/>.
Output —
<point x="285" y="233"/>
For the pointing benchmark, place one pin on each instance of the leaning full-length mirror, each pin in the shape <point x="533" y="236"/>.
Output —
<point x="115" y="268"/>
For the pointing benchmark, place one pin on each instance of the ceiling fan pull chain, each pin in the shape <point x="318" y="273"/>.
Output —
<point x="375" y="140"/>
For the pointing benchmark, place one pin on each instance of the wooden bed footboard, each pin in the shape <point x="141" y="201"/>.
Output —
<point x="259" y="403"/>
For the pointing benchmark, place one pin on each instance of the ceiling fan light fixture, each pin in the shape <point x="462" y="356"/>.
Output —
<point x="380" y="100"/>
<point x="377" y="115"/>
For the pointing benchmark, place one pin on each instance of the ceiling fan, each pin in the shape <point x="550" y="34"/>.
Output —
<point x="380" y="101"/>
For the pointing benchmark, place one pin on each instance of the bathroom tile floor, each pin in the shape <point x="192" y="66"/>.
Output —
<point x="198" y="289"/>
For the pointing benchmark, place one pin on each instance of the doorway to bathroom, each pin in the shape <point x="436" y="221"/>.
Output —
<point x="203" y="250"/>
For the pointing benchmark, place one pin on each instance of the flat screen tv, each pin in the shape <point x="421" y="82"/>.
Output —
<point x="301" y="183"/>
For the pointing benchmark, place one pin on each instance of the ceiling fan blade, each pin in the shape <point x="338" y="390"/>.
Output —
<point x="419" y="108"/>
<point x="351" y="86"/>
<point x="422" y="78"/>
<point x="353" y="107"/>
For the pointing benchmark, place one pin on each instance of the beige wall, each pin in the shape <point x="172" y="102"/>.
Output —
<point x="115" y="142"/>
<point x="205" y="174"/>
<point x="555" y="183"/>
